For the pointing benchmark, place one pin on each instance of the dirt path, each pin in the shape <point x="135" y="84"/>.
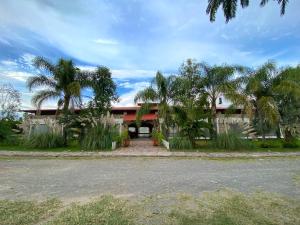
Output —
<point x="132" y="177"/>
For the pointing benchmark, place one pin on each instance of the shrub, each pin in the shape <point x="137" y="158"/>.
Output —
<point x="49" y="139"/>
<point x="291" y="144"/>
<point x="157" y="135"/>
<point x="231" y="141"/>
<point x="99" y="137"/>
<point x="6" y="131"/>
<point x="180" y="143"/>
<point x="269" y="143"/>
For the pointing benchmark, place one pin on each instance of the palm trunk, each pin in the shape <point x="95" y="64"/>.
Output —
<point x="214" y="119"/>
<point x="66" y="103"/>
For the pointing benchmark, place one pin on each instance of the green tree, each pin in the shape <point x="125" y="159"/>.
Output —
<point x="217" y="81"/>
<point x="104" y="90"/>
<point x="62" y="81"/>
<point x="230" y="7"/>
<point x="161" y="93"/>
<point x="287" y="96"/>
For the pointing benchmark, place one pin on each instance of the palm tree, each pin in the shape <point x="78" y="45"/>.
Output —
<point x="64" y="83"/>
<point x="215" y="82"/>
<point x="160" y="92"/>
<point x="259" y="93"/>
<point x="230" y="7"/>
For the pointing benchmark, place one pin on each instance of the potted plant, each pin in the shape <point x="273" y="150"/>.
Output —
<point x="157" y="137"/>
<point x="125" y="138"/>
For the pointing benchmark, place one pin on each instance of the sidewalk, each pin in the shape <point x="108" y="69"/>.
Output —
<point x="148" y="154"/>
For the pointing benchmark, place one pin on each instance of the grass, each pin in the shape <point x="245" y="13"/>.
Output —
<point x="233" y="208"/>
<point x="106" y="211"/>
<point x="26" y="212"/>
<point x="212" y="208"/>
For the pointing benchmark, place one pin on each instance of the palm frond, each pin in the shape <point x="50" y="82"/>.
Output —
<point x="40" y="80"/>
<point x="146" y="95"/>
<point x="42" y="63"/>
<point x="42" y="96"/>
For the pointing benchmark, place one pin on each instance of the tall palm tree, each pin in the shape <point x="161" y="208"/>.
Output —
<point x="259" y="93"/>
<point x="230" y="7"/>
<point x="62" y="81"/>
<point x="160" y="92"/>
<point x="215" y="82"/>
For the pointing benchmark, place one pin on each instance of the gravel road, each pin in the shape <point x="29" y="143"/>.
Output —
<point x="87" y="178"/>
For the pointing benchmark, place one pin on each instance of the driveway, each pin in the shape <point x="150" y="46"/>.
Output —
<point x="137" y="177"/>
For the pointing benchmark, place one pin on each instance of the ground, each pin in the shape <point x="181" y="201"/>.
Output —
<point x="79" y="179"/>
<point x="154" y="191"/>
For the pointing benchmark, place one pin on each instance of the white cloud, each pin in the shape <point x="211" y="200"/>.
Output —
<point x="9" y="63"/>
<point x="106" y="41"/>
<point x="134" y="85"/>
<point x="132" y="73"/>
<point x="16" y="75"/>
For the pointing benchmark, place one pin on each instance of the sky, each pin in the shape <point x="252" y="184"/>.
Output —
<point x="136" y="38"/>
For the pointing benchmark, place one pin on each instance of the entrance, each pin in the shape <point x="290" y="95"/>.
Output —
<point x="144" y="130"/>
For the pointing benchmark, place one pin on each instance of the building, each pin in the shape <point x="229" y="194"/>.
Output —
<point x="125" y="117"/>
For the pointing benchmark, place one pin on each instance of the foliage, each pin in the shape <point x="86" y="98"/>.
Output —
<point x="48" y="139"/>
<point x="10" y="100"/>
<point x="180" y="143"/>
<point x="218" y="81"/>
<point x="272" y="143"/>
<point x="64" y="83"/>
<point x="293" y="143"/>
<point x="230" y="6"/>
<point x="99" y="137"/>
<point x="160" y="92"/>
<point x="157" y="135"/>
<point x="104" y="90"/>
<point x="232" y="141"/>
<point x="26" y="212"/>
<point x="8" y="129"/>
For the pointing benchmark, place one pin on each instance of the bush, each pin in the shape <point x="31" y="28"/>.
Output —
<point x="157" y="135"/>
<point x="6" y="131"/>
<point x="291" y="144"/>
<point x="269" y="143"/>
<point x="231" y="141"/>
<point x="180" y="143"/>
<point x="99" y="137"/>
<point x="49" y="139"/>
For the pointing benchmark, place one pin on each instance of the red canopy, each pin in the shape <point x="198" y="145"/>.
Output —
<point x="132" y="117"/>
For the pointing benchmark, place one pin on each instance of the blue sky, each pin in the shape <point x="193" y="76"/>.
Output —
<point x="135" y="38"/>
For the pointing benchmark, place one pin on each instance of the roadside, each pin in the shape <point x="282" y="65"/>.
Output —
<point x="158" y="153"/>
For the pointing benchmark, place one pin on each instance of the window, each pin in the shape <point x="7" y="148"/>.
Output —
<point x="220" y="101"/>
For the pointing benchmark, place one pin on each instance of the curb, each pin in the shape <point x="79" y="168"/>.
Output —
<point x="147" y="154"/>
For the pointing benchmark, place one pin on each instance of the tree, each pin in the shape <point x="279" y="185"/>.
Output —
<point x="287" y="96"/>
<point x="160" y="92"/>
<point x="230" y="7"/>
<point x="104" y="90"/>
<point x="64" y="83"/>
<point x="10" y="100"/>
<point x="273" y="96"/>
<point x="215" y="82"/>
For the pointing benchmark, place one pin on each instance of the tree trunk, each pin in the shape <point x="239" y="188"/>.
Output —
<point x="66" y="103"/>
<point x="214" y="119"/>
<point x="288" y="136"/>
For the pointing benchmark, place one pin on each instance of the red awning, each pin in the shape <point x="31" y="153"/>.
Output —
<point x="132" y="117"/>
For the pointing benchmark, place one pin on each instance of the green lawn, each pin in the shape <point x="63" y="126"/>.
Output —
<point x="212" y="208"/>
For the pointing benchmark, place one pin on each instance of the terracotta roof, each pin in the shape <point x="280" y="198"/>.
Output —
<point x="144" y="117"/>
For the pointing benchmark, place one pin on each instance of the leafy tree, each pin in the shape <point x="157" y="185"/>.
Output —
<point x="287" y="97"/>
<point x="215" y="82"/>
<point x="230" y="7"/>
<point x="104" y="90"/>
<point x="63" y="82"/>
<point x="10" y="100"/>
<point x="160" y="92"/>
